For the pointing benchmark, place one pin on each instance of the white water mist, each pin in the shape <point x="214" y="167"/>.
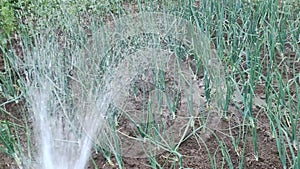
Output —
<point x="67" y="110"/>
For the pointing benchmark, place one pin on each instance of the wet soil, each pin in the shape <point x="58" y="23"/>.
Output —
<point x="198" y="152"/>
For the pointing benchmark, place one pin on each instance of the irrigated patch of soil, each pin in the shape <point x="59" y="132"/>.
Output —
<point x="200" y="152"/>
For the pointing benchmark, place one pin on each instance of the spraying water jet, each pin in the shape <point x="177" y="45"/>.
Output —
<point x="70" y="111"/>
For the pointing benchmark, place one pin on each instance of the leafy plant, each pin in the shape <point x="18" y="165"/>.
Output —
<point x="7" y="21"/>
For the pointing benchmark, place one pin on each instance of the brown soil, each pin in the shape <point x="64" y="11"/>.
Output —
<point x="195" y="149"/>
